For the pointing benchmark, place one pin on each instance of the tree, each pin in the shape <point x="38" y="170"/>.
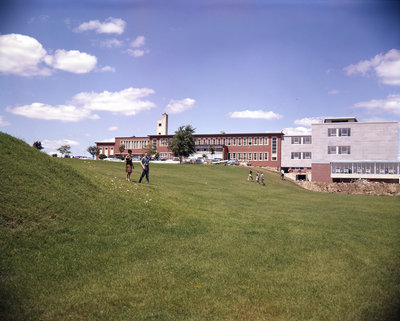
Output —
<point x="121" y="148"/>
<point x="149" y="149"/>
<point x="93" y="150"/>
<point x="222" y="132"/>
<point x="65" y="150"/>
<point x="38" y="145"/>
<point x="183" y="142"/>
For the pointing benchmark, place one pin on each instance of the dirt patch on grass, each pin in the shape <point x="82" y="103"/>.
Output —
<point x="362" y="187"/>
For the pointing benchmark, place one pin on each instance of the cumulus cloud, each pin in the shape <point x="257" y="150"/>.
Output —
<point x="127" y="102"/>
<point x="112" y="128"/>
<point x="389" y="105"/>
<point x="54" y="144"/>
<point x="73" y="61"/>
<point x="179" y="106"/>
<point x="137" y="52"/>
<point x="110" y="25"/>
<point x="25" y="56"/>
<point x="255" y="114"/>
<point x="107" y="68"/>
<point x="297" y="131"/>
<point x="138" y="42"/>
<point x="386" y="67"/>
<point x="308" y="121"/>
<point x="3" y="123"/>
<point x="22" y="55"/>
<point x="64" y="113"/>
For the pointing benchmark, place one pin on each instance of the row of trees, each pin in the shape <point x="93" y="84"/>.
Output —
<point x="182" y="145"/>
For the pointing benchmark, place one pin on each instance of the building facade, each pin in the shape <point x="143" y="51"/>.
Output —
<point x="345" y="149"/>
<point x="339" y="149"/>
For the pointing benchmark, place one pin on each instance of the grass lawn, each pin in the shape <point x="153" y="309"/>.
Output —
<point x="200" y="242"/>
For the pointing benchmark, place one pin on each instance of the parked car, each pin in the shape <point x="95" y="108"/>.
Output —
<point x="233" y="162"/>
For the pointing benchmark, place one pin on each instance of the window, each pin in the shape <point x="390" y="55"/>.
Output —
<point x="255" y="141"/>
<point x="250" y="156"/>
<point x="344" y="149"/>
<point x="331" y="149"/>
<point x="209" y="141"/>
<point x="255" y="156"/>
<point x="229" y="142"/>
<point x="296" y="140"/>
<point x="266" y="156"/>
<point x="274" y="145"/>
<point x="344" y="131"/>
<point x="244" y="141"/>
<point x="307" y="140"/>
<point x="213" y="141"/>
<point x="273" y="158"/>
<point x="250" y="141"/>
<point x="234" y="142"/>
<point x="332" y="132"/>
<point x="239" y="141"/>
<point x="204" y="141"/>
<point x="306" y="155"/>
<point x="296" y="155"/>
<point x="233" y="155"/>
<point x="219" y="141"/>
<point x="223" y="141"/>
<point x="260" y="156"/>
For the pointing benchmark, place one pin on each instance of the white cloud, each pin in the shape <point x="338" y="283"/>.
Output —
<point x="308" y="121"/>
<point x="127" y="102"/>
<point x="24" y="56"/>
<point x="111" y="43"/>
<point x="138" y="42"/>
<point x="389" y="105"/>
<point x="72" y="61"/>
<point x="107" y="68"/>
<point x="21" y="55"/>
<point x="54" y="144"/>
<point x="137" y="52"/>
<point x="297" y="131"/>
<point x="65" y="113"/>
<point x="255" y="114"/>
<point x="112" y="128"/>
<point x="334" y="92"/>
<point x="386" y="67"/>
<point x="179" y="106"/>
<point x="110" y="25"/>
<point x="3" y="123"/>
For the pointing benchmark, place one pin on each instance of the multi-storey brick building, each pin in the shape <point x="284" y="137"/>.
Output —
<point x="339" y="149"/>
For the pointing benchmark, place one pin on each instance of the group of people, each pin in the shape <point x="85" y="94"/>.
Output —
<point x="259" y="177"/>
<point x="144" y="162"/>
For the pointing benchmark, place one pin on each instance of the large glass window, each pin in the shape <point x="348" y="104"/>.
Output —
<point x="274" y="145"/>
<point x="296" y="155"/>
<point x="331" y="149"/>
<point x="296" y="140"/>
<point x="332" y="132"/>
<point x="344" y="149"/>
<point x="344" y="131"/>
<point x="307" y="140"/>
<point x="306" y="155"/>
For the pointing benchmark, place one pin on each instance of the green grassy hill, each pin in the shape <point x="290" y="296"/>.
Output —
<point x="198" y="243"/>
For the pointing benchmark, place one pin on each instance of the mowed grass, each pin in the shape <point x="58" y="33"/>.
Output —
<point x="78" y="242"/>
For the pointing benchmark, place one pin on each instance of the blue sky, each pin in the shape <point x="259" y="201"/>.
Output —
<point x="77" y="72"/>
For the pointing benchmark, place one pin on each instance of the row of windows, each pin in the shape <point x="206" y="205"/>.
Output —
<point x="134" y="144"/>
<point x="299" y="155"/>
<point x="241" y="141"/>
<point x="338" y="150"/>
<point x="365" y="168"/>
<point x="301" y="140"/>
<point x="337" y="132"/>
<point x="248" y="156"/>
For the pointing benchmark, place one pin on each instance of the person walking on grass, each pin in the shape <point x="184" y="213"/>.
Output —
<point x="258" y="178"/>
<point x="129" y="165"/>
<point x="282" y="175"/>
<point x="250" y="175"/>
<point x="145" y="167"/>
<point x="262" y="178"/>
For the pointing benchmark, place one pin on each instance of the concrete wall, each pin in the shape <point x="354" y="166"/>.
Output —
<point x="288" y="148"/>
<point x="367" y="141"/>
